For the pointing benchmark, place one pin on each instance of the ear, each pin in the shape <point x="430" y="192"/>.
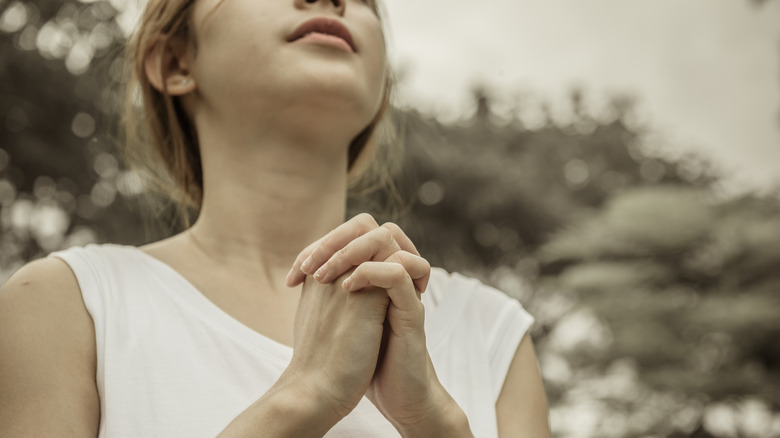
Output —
<point x="167" y="66"/>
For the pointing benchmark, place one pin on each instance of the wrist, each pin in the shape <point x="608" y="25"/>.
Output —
<point x="287" y="409"/>
<point x="305" y="407"/>
<point x="443" y="418"/>
<point x="451" y="423"/>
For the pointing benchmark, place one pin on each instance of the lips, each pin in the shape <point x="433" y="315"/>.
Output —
<point x="326" y="26"/>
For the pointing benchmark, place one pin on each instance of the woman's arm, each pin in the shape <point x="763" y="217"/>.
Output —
<point x="522" y="405"/>
<point x="47" y="355"/>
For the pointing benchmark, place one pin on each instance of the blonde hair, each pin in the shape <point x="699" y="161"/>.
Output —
<point x="160" y="142"/>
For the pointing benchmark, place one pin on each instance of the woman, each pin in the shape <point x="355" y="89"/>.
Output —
<point x="261" y="112"/>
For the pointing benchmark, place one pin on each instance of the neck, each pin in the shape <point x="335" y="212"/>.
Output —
<point x="263" y="202"/>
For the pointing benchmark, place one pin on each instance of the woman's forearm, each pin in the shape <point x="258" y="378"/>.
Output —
<point x="446" y="418"/>
<point x="286" y="410"/>
<point x="452" y="424"/>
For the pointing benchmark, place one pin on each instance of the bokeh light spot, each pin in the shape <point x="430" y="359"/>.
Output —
<point x="79" y="58"/>
<point x="83" y="125"/>
<point x="21" y="212"/>
<point x="101" y="36"/>
<point x="80" y="236"/>
<point x="431" y="192"/>
<point x="130" y="183"/>
<point x="106" y="165"/>
<point x="103" y="194"/>
<point x="53" y="42"/>
<point x="577" y="173"/>
<point x="44" y="188"/>
<point x="14" y="17"/>
<point x="49" y="224"/>
<point x="27" y="38"/>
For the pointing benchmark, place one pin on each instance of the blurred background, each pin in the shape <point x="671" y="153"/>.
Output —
<point x="613" y="165"/>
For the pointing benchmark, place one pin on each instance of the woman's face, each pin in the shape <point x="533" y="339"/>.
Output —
<point x="247" y="71"/>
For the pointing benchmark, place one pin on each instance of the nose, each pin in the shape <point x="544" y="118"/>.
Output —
<point x="339" y="5"/>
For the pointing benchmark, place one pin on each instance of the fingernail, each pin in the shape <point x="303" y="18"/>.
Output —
<point x="320" y="274"/>
<point x="347" y="283"/>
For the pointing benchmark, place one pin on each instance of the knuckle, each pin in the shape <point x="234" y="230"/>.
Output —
<point x="366" y="220"/>
<point x="392" y="227"/>
<point x="397" y="257"/>
<point x="398" y="272"/>
<point x="328" y="246"/>
<point x="394" y="230"/>
<point x="317" y="254"/>
<point x="341" y="254"/>
<point x="384" y="235"/>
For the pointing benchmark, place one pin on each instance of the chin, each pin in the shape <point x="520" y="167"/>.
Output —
<point x="315" y="116"/>
<point x="315" y="99"/>
<point x="343" y="83"/>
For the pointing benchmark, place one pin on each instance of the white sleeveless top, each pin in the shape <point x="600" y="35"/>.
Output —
<point x="170" y="363"/>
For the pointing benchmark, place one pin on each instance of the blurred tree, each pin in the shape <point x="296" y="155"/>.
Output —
<point x="688" y="286"/>
<point x="512" y="187"/>
<point x="677" y="288"/>
<point x="60" y="180"/>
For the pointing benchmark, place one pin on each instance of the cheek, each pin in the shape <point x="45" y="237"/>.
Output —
<point x="380" y="83"/>
<point x="234" y="56"/>
<point x="377" y="67"/>
<point x="235" y="31"/>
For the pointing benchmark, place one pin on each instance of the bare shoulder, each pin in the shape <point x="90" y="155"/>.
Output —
<point x="42" y="288"/>
<point x="47" y="354"/>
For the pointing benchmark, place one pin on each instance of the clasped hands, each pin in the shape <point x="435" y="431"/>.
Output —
<point x="359" y="327"/>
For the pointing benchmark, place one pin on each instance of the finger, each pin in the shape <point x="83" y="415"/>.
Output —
<point x="403" y="240"/>
<point x="336" y="240"/>
<point x="376" y="245"/>
<point x="296" y="276"/>
<point x="418" y="268"/>
<point x="389" y="276"/>
<point x="300" y="268"/>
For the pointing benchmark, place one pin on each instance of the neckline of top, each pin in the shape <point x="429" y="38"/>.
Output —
<point x="212" y="313"/>
<point x="443" y="318"/>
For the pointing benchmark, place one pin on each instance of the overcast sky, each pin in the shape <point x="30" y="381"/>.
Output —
<point x="706" y="72"/>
